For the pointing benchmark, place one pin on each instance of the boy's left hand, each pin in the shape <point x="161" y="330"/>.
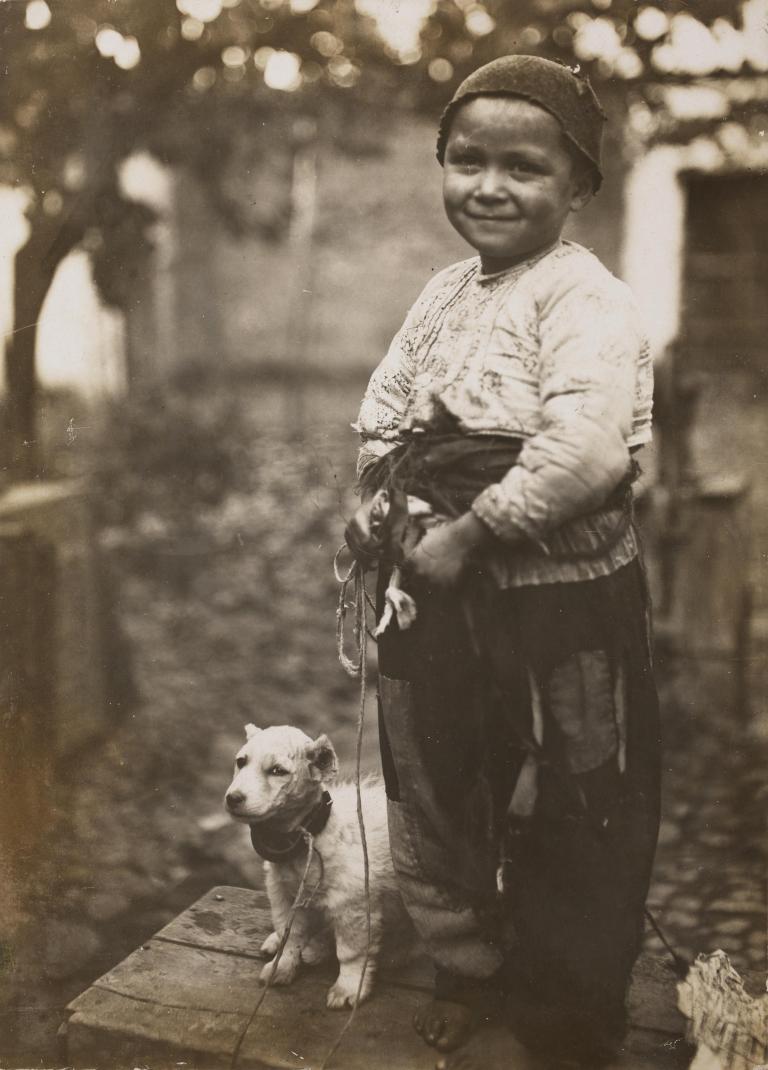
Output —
<point x="444" y="550"/>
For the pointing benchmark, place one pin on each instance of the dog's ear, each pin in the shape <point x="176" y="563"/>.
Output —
<point x="323" y="763"/>
<point x="251" y="730"/>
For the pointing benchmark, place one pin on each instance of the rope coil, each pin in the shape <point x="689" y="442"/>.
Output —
<point x="358" y="670"/>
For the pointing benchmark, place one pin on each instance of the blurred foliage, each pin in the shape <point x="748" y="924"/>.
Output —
<point x="607" y="38"/>
<point x="207" y="84"/>
<point x="94" y="81"/>
<point x="224" y="86"/>
<point x="231" y="88"/>
<point x="166" y="455"/>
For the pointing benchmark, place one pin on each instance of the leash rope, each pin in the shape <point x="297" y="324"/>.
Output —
<point x="297" y="902"/>
<point x="354" y="577"/>
<point x="357" y="670"/>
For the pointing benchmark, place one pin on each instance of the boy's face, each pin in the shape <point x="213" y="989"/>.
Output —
<point x="509" y="181"/>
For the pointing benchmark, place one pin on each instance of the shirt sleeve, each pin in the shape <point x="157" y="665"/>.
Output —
<point x="386" y="397"/>
<point x="590" y="348"/>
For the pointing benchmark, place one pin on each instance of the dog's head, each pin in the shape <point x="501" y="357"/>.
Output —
<point x="279" y="776"/>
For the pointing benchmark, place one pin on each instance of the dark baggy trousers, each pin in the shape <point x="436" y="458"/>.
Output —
<point x="521" y="753"/>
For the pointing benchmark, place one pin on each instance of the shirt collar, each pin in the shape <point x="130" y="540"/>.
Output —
<point x="516" y="269"/>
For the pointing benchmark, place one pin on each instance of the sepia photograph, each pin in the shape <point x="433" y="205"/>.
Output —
<point x="384" y="534"/>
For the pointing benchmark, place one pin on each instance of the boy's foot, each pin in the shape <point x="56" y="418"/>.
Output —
<point x="459" y="1008"/>
<point x="445" y="1025"/>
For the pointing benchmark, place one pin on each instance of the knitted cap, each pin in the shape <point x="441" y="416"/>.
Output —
<point x="552" y="86"/>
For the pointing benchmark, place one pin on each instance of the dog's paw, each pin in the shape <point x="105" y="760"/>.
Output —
<point x="319" y="949"/>
<point x="281" y="972"/>
<point x="344" y="993"/>
<point x="271" y="944"/>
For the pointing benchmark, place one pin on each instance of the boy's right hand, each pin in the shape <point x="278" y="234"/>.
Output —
<point x="363" y="543"/>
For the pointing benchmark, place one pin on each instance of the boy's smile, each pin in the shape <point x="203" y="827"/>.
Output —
<point x="509" y="180"/>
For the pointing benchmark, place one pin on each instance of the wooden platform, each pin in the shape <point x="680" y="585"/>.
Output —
<point x="185" y="998"/>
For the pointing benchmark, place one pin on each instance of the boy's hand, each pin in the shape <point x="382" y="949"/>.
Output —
<point x="444" y="551"/>
<point x="359" y="537"/>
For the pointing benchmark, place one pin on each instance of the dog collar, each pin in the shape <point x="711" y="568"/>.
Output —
<point x="285" y="846"/>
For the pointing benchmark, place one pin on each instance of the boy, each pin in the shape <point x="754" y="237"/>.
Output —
<point x="518" y="715"/>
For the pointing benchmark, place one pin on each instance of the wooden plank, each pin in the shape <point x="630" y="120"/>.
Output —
<point x="236" y="920"/>
<point x="109" y="1029"/>
<point x="381" y="1038"/>
<point x="194" y="986"/>
<point x="294" y="1028"/>
<point x="178" y="976"/>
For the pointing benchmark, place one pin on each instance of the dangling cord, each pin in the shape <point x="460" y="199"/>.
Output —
<point x="354" y="578"/>
<point x="359" y="670"/>
<point x="681" y="966"/>
<point x="297" y="902"/>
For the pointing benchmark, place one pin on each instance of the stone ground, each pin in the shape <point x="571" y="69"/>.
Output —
<point x="227" y="606"/>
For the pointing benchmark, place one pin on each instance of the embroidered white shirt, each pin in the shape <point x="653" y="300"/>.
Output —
<point x="551" y="352"/>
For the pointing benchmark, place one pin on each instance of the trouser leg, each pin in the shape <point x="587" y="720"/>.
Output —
<point x="433" y="726"/>
<point x="578" y="872"/>
<point x="578" y="868"/>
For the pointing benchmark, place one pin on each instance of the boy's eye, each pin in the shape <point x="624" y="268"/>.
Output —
<point x="464" y="160"/>
<point x="240" y="762"/>
<point x="277" y="770"/>
<point x="524" y="167"/>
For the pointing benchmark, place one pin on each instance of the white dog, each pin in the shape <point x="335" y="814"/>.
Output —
<point x="280" y="788"/>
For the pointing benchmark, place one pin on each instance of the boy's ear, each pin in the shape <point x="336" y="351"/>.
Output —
<point x="584" y="190"/>
<point x="323" y="763"/>
<point x="251" y="730"/>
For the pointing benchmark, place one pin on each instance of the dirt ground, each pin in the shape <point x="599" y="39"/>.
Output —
<point x="219" y="519"/>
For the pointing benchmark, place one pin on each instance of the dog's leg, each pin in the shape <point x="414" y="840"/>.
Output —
<point x="351" y="943"/>
<point x="283" y="971"/>
<point x="319" y="947"/>
<point x="271" y="944"/>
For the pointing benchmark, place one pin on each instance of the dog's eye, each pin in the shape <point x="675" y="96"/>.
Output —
<point x="277" y="770"/>
<point x="240" y="762"/>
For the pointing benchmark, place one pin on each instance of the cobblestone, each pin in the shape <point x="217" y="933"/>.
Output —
<point x="734" y="926"/>
<point x="709" y="877"/>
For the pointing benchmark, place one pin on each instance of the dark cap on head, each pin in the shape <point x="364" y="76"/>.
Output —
<point x="552" y="86"/>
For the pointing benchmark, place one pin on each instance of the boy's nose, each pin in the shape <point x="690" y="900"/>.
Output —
<point x="491" y="184"/>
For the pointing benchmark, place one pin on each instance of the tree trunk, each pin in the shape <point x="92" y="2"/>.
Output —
<point x="35" y="265"/>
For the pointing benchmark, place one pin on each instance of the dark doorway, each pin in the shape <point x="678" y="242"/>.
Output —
<point x="725" y="314"/>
